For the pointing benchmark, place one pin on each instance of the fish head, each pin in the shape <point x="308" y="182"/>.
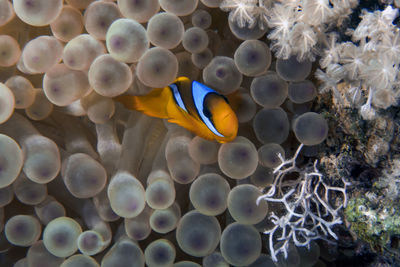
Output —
<point x="224" y="120"/>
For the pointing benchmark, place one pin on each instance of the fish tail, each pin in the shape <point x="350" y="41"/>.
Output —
<point x="153" y="104"/>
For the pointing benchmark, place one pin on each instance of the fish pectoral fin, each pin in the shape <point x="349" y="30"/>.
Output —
<point x="178" y="117"/>
<point x="193" y="126"/>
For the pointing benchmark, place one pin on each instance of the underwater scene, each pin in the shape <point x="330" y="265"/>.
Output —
<point x="214" y="133"/>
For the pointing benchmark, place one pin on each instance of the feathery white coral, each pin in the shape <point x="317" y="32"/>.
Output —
<point x="373" y="61"/>
<point x="262" y="12"/>
<point x="352" y="58"/>
<point x="316" y="12"/>
<point x="281" y="20"/>
<point x="379" y="72"/>
<point x="299" y="22"/>
<point x="391" y="46"/>
<point x="303" y="39"/>
<point x="331" y="52"/>
<point x="342" y="9"/>
<point x="330" y="78"/>
<point x="375" y="25"/>
<point x="242" y="11"/>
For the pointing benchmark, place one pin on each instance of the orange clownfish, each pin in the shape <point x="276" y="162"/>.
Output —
<point x="191" y="105"/>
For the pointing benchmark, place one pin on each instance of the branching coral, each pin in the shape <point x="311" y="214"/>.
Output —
<point x="308" y="210"/>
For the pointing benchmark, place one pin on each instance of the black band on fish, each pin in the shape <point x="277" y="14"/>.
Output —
<point x="177" y="96"/>
<point x="199" y="93"/>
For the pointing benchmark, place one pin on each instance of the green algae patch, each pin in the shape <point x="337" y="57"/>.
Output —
<point x="375" y="224"/>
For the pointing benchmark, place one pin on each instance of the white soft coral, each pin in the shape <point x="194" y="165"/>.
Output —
<point x="391" y="46"/>
<point x="330" y="79"/>
<point x="316" y="12"/>
<point x="281" y="19"/>
<point x="373" y="62"/>
<point x="380" y="72"/>
<point x="331" y="52"/>
<point x="261" y="12"/>
<point x="353" y="59"/>
<point x="303" y="40"/>
<point x="242" y="11"/>
<point x="376" y="25"/>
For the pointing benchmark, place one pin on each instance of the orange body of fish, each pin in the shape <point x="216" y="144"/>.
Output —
<point x="191" y="105"/>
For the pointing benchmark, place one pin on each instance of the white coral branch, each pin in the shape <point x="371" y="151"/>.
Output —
<point x="307" y="212"/>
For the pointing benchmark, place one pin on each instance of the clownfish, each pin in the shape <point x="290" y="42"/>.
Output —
<point x="191" y="105"/>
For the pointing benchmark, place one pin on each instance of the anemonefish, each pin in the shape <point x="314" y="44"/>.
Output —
<point x="191" y="105"/>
